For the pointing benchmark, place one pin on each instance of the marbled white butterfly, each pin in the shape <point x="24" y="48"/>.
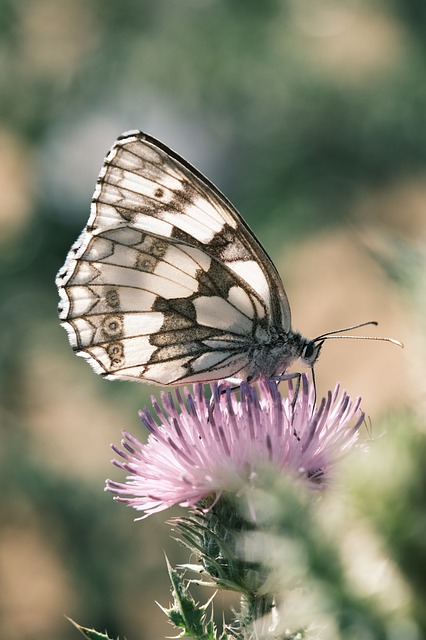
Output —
<point x="167" y="284"/>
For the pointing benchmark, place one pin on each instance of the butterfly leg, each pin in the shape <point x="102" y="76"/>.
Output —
<point x="235" y="387"/>
<point x="298" y="376"/>
<point x="292" y="376"/>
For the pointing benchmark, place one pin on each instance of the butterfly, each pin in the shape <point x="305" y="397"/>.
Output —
<point x="168" y="285"/>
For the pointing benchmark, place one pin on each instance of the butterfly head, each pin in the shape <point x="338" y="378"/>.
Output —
<point x="311" y="350"/>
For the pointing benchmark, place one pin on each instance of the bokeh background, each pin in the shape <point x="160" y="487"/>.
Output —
<point x="311" y="116"/>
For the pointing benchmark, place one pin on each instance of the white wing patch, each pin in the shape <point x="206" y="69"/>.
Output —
<point x="217" y="312"/>
<point x="167" y="284"/>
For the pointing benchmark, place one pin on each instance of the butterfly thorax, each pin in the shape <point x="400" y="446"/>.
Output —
<point x="276" y="350"/>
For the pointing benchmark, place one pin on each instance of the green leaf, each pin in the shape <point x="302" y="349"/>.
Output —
<point x="90" y="634"/>
<point x="187" y="614"/>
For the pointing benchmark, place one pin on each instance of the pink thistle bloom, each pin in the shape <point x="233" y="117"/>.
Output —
<point x="203" y="448"/>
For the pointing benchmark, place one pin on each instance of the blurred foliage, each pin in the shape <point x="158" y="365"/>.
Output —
<point x="298" y="110"/>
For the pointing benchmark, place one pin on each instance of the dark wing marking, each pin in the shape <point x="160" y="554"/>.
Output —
<point x="149" y="187"/>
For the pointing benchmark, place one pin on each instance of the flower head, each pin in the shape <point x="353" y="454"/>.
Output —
<point x="205" y="447"/>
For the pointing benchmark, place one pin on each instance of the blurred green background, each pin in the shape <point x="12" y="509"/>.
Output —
<point x="311" y="116"/>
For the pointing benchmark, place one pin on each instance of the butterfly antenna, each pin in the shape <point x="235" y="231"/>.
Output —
<point x="332" y="334"/>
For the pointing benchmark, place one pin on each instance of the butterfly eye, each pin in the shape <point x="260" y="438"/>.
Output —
<point x="308" y="351"/>
<point x="311" y="352"/>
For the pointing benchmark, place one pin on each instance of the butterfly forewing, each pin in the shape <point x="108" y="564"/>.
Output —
<point x="149" y="186"/>
<point x="166" y="283"/>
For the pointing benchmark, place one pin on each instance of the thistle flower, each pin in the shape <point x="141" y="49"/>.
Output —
<point x="202" y="447"/>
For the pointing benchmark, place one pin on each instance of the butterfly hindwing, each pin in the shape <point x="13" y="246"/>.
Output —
<point x="141" y="306"/>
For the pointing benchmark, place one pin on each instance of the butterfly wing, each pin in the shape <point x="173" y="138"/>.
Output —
<point x="148" y="185"/>
<point x="140" y="306"/>
<point x="166" y="283"/>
